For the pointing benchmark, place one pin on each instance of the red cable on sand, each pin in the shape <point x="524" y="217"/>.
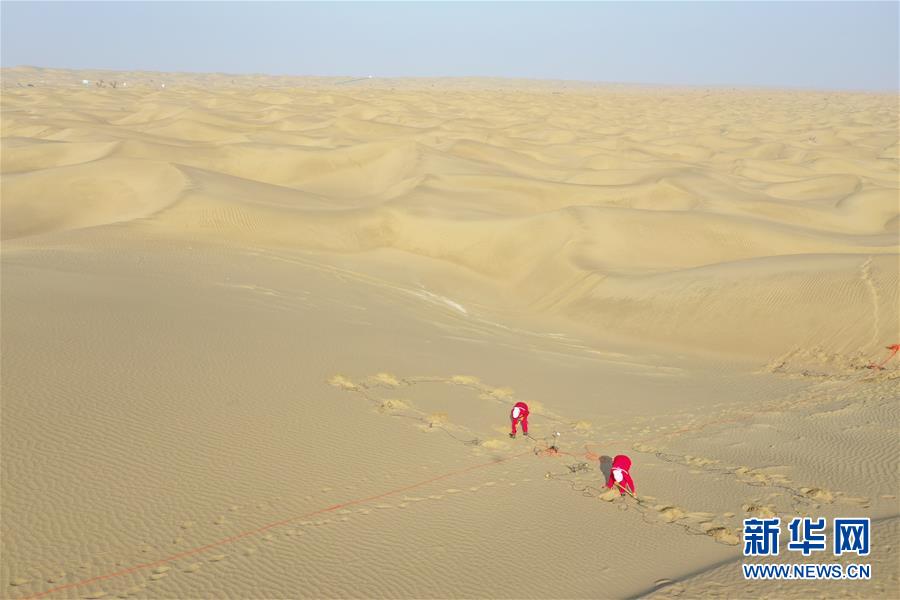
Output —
<point x="244" y="534"/>
<point x="894" y="350"/>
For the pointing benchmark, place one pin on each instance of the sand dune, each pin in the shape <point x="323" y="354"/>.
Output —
<point x="261" y="334"/>
<point x="92" y="192"/>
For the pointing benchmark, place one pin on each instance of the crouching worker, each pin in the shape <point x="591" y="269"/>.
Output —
<point x="519" y="414"/>
<point x="619" y="477"/>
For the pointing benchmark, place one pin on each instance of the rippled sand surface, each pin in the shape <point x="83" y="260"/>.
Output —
<point x="260" y="335"/>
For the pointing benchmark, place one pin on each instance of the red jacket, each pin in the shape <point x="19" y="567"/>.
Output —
<point x="523" y="410"/>
<point x="623" y="463"/>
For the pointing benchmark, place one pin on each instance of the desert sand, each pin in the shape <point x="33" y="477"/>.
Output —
<point x="261" y="335"/>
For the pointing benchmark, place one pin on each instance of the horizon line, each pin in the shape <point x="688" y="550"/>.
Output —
<point x="370" y="76"/>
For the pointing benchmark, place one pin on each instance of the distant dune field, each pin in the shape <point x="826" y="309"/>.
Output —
<point x="261" y="335"/>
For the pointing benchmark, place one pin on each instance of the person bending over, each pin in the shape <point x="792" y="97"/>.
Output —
<point x="519" y="414"/>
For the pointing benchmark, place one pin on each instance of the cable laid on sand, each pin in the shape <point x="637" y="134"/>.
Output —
<point x="236" y="537"/>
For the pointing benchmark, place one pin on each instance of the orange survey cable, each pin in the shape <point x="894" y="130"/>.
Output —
<point x="894" y="349"/>
<point x="266" y="527"/>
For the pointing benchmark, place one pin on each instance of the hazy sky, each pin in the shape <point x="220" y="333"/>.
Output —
<point x="805" y="44"/>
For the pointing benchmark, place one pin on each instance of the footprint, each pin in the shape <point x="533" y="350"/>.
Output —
<point x="644" y="448"/>
<point x="504" y="393"/>
<point x="670" y="513"/>
<point x="393" y="405"/>
<point x="16" y="582"/>
<point x="818" y="494"/>
<point x="220" y="521"/>
<point x="386" y="379"/>
<point x="761" y="511"/>
<point x="217" y="557"/>
<point x="249" y="551"/>
<point x="438" y="418"/>
<point x="724" y="535"/>
<point x="609" y="495"/>
<point x="135" y="589"/>
<point x="187" y="524"/>
<point x="339" y="381"/>
<point x="158" y="576"/>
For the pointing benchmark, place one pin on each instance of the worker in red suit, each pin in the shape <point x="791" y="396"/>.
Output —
<point x="619" y="477"/>
<point x="519" y="414"/>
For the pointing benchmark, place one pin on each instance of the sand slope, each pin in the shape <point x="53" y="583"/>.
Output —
<point x="260" y="335"/>
<point x="648" y="190"/>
